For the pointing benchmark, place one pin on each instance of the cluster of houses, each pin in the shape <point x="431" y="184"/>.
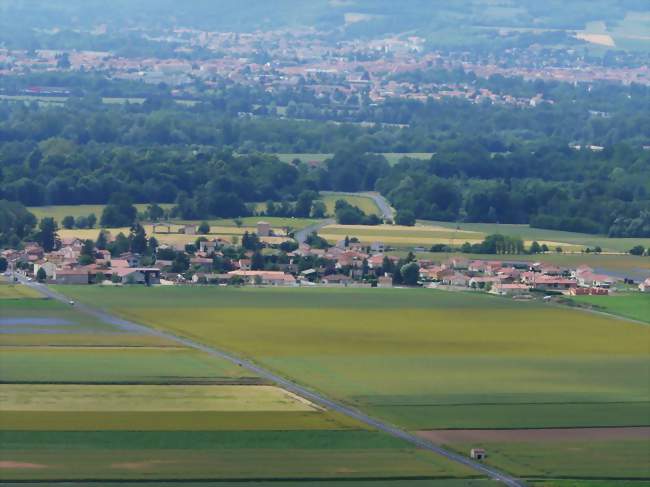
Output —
<point x="347" y="264"/>
<point x="520" y="278"/>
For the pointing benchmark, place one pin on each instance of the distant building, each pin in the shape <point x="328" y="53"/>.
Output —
<point x="71" y="276"/>
<point x="477" y="453"/>
<point x="644" y="287"/>
<point x="263" y="229"/>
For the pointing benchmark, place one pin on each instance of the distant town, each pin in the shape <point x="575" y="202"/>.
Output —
<point x="348" y="263"/>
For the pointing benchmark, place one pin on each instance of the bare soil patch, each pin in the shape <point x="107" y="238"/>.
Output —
<point x="546" y="434"/>
<point x="9" y="465"/>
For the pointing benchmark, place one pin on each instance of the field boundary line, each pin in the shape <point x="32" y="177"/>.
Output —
<point x="303" y="391"/>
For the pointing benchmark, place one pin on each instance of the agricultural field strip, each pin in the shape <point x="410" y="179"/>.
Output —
<point x="305" y="393"/>
<point x="422" y="234"/>
<point x="149" y="398"/>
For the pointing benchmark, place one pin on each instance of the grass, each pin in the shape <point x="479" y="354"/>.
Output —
<point x="217" y="455"/>
<point x="364" y="203"/>
<point x="175" y="421"/>
<point x="617" y="460"/>
<point x="148" y="398"/>
<point x="110" y="364"/>
<point x="635" y="306"/>
<point x="378" y="482"/>
<point x="417" y="356"/>
<point x="17" y="291"/>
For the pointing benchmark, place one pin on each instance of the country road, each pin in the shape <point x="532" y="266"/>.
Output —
<point x="301" y="235"/>
<point x="287" y="384"/>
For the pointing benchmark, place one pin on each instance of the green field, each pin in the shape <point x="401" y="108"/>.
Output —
<point x="16" y="291"/>
<point x="125" y="409"/>
<point x="360" y="345"/>
<point x="635" y="306"/>
<point x="569" y="459"/>
<point x="364" y="203"/>
<point x="217" y="455"/>
<point x="109" y="364"/>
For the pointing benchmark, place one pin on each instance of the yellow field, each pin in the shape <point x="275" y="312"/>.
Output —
<point x="11" y="291"/>
<point x="160" y="398"/>
<point x="175" y="239"/>
<point x="419" y="235"/>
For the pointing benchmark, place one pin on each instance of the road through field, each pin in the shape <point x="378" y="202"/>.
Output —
<point x="290" y="386"/>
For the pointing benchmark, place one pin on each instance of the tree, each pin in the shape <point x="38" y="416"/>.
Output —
<point x="102" y="240"/>
<point x="3" y="264"/>
<point x="99" y="278"/>
<point x="91" y="220"/>
<point x="41" y="275"/>
<point x="405" y="217"/>
<point x="155" y="212"/>
<point x="87" y="255"/>
<point x="257" y="261"/>
<point x="535" y="248"/>
<point x="410" y="273"/>
<point x="47" y="235"/>
<point x="304" y="204"/>
<point x="119" y="212"/>
<point x="637" y="250"/>
<point x="238" y="222"/>
<point x="204" y="228"/>
<point x="68" y="222"/>
<point x="138" y="239"/>
<point x="318" y="210"/>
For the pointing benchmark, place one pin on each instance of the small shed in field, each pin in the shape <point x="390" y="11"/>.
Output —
<point x="477" y="453"/>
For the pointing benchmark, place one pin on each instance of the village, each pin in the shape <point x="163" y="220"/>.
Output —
<point x="256" y="262"/>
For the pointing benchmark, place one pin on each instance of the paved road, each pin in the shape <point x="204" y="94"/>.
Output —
<point x="297" y="389"/>
<point x="301" y="235"/>
<point x="387" y="212"/>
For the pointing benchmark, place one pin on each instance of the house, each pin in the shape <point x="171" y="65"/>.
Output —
<point x="273" y="278"/>
<point x="138" y="275"/>
<point x="385" y="281"/>
<point x="551" y="283"/>
<point x="510" y="289"/>
<point x="132" y="260"/>
<point x="590" y="279"/>
<point x="340" y="279"/>
<point x="48" y="267"/>
<point x="263" y="229"/>
<point x="190" y="229"/>
<point x="457" y="279"/>
<point x="377" y="247"/>
<point x="71" y="276"/>
<point x="644" y="287"/>
<point x="244" y="264"/>
<point x="208" y="246"/>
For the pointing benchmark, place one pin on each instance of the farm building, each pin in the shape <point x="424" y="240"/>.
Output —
<point x="263" y="229"/>
<point x="644" y="287"/>
<point x="477" y="453"/>
<point x="71" y="276"/>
